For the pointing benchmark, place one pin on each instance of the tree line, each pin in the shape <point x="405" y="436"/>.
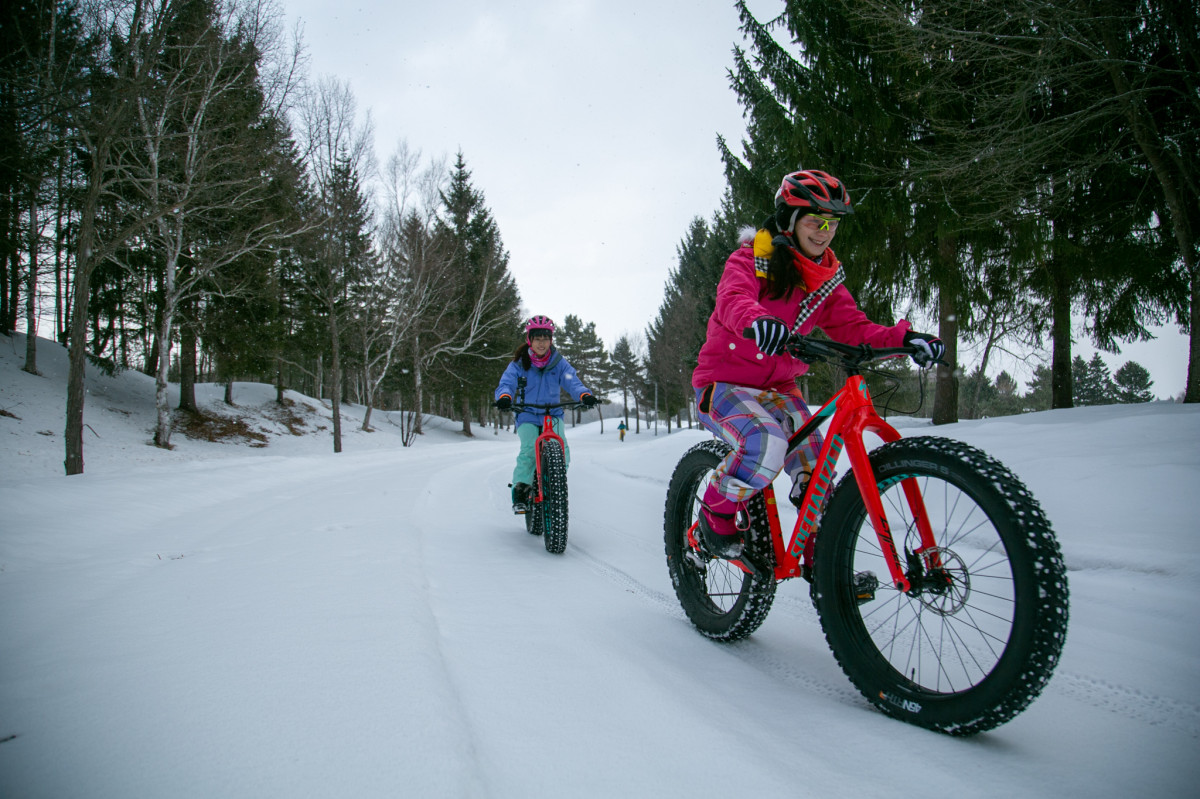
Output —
<point x="177" y="196"/>
<point x="1012" y="166"/>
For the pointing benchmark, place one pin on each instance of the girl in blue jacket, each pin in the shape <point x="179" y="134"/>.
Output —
<point x="546" y="372"/>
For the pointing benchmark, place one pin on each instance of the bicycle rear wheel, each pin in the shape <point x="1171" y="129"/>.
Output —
<point x="552" y="510"/>
<point x="978" y="635"/>
<point x="533" y="516"/>
<point x="722" y="601"/>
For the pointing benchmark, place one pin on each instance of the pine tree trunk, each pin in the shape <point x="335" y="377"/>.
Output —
<point x="945" y="400"/>
<point x="85" y="264"/>
<point x="1062" y="389"/>
<point x="335" y="381"/>
<point x="31" y="318"/>
<point x="10" y="266"/>
<point x="278" y="379"/>
<point x="62" y="277"/>
<point x="1192" y="391"/>
<point x="8" y="213"/>
<point x="187" y="369"/>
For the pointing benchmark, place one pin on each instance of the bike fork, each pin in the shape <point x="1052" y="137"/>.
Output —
<point x="868" y="488"/>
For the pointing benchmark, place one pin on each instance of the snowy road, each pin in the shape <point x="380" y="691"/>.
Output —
<point x="379" y="624"/>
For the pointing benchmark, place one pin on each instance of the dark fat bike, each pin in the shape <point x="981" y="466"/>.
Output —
<point x="938" y="581"/>
<point x="547" y="503"/>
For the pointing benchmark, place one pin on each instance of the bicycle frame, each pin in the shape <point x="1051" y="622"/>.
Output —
<point x="547" y="434"/>
<point x="851" y="414"/>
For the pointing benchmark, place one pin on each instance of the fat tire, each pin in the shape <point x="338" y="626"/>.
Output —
<point x="553" y="507"/>
<point x="941" y="660"/>
<point x="533" y="512"/>
<point x="723" y="602"/>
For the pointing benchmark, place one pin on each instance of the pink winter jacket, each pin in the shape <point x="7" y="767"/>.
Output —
<point x="726" y="357"/>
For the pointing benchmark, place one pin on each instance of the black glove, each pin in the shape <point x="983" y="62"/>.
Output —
<point x="770" y="334"/>
<point x="504" y="403"/>
<point x="588" y="401"/>
<point x="932" y="348"/>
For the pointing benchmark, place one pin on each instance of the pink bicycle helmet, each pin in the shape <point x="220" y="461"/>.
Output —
<point x="539" y="322"/>
<point x="810" y="191"/>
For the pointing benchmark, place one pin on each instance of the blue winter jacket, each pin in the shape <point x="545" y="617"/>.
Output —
<point x="542" y="386"/>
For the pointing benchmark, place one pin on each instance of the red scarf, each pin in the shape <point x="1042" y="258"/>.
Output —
<point x="815" y="274"/>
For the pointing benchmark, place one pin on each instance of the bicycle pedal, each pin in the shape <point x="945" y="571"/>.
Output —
<point x="864" y="586"/>
<point x="753" y="564"/>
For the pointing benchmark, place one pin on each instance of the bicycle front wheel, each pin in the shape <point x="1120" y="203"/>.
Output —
<point x="552" y="511"/>
<point x="722" y="601"/>
<point x="975" y="639"/>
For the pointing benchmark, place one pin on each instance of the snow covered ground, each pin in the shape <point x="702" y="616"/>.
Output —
<point x="279" y="621"/>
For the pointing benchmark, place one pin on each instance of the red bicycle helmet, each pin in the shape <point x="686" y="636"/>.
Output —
<point x="539" y="322"/>
<point x="810" y="191"/>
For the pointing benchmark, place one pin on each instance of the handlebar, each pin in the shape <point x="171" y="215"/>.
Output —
<point x="516" y="407"/>
<point x="852" y="356"/>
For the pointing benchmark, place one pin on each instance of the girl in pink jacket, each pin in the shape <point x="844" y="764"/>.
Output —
<point x="782" y="279"/>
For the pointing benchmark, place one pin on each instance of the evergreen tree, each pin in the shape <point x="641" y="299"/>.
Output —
<point x="1093" y="382"/>
<point x="1007" y="401"/>
<point x="675" y="337"/>
<point x="569" y="328"/>
<point x="245" y="319"/>
<point x="827" y="100"/>
<point x="235" y="310"/>
<point x="843" y="101"/>
<point x="342" y="255"/>
<point x="1039" y="397"/>
<point x="43" y="51"/>
<point x="976" y="394"/>
<point x="670" y="361"/>
<point x="1077" y="128"/>
<point x="580" y="345"/>
<point x="476" y="337"/>
<point x="626" y="374"/>
<point x="1132" y="384"/>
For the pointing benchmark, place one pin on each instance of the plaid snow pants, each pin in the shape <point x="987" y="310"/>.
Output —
<point x="757" y="424"/>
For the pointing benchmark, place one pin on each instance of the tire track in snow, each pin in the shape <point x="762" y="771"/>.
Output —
<point x="1131" y="703"/>
<point x="786" y="670"/>
<point x="1128" y="702"/>
<point x="794" y="673"/>
<point x="658" y="599"/>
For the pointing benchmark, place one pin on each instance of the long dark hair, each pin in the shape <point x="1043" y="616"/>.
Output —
<point x="783" y="276"/>
<point x="522" y="355"/>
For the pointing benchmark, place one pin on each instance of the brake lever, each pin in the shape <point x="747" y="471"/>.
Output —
<point x="798" y="348"/>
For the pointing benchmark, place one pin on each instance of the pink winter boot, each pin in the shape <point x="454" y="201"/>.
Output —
<point x="719" y="533"/>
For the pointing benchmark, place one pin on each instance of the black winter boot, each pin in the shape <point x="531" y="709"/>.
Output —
<point x="520" y="497"/>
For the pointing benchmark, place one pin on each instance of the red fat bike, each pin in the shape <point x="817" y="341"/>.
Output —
<point x="938" y="581"/>
<point x="547" y="503"/>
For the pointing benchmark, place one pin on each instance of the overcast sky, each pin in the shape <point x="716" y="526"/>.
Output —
<point x="589" y="126"/>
